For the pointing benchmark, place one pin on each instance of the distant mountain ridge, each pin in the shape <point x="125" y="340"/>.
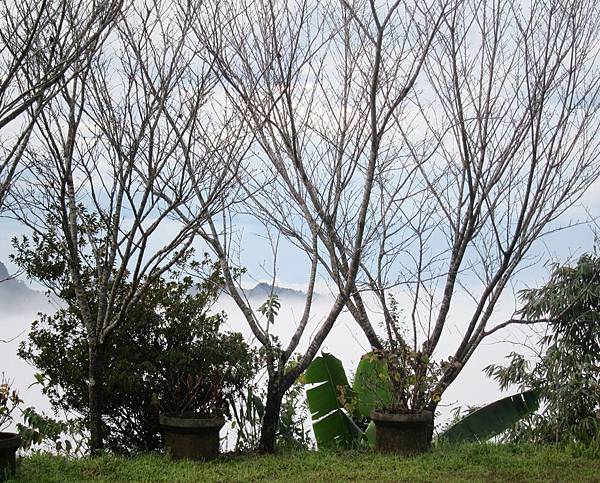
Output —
<point x="4" y="275"/>
<point x="262" y="290"/>
<point x="16" y="296"/>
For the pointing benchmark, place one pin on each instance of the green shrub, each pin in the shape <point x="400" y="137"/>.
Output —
<point x="566" y="373"/>
<point x="169" y="344"/>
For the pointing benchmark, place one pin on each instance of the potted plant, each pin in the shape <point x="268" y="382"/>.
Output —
<point x="199" y="375"/>
<point x="9" y="442"/>
<point x="403" y="414"/>
<point x="192" y="417"/>
<point x="403" y="422"/>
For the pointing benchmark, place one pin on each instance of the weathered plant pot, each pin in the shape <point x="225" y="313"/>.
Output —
<point x="191" y="437"/>
<point x="9" y="444"/>
<point x="403" y="434"/>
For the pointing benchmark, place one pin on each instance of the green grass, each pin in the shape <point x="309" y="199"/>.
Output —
<point x="473" y="462"/>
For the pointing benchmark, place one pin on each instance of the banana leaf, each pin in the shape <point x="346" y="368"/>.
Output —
<point x="493" y="419"/>
<point x="372" y="384"/>
<point x="369" y="435"/>
<point x="332" y="425"/>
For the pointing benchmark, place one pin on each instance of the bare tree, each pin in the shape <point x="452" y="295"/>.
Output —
<point x="319" y="85"/>
<point x="40" y="41"/>
<point x="105" y="178"/>
<point x="503" y="142"/>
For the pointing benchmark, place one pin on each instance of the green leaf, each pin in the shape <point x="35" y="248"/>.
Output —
<point x="336" y="430"/>
<point x="493" y="419"/>
<point x="331" y="424"/>
<point x="372" y="384"/>
<point x="370" y="434"/>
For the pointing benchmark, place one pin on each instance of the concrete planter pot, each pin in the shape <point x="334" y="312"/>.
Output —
<point x="9" y="444"/>
<point x="187" y="436"/>
<point x="403" y="434"/>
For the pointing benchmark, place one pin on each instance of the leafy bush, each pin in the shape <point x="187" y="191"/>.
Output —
<point x="567" y="374"/>
<point x="292" y="433"/>
<point x="39" y="431"/>
<point x="412" y="376"/>
<point x="9" y="402"/>
<point x="170" y="354"/>
<point x="248" y="409"/>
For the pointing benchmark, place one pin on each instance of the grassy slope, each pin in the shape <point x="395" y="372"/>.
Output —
<point x="467" y="463"/>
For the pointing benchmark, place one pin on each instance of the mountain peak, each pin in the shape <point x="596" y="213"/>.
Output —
<point x="16" y="296"/>
<point x="3" y="272"/>
<point x="262" y="290"/>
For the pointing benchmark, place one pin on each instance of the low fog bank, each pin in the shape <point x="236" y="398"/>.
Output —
<point x="347" y="342"/>
<point x="19" y="306"/>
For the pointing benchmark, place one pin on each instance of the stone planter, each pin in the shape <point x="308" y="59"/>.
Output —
<point x="403" y="434"/>
<point x="187" y="436"/>
<point x="9" y="444"/>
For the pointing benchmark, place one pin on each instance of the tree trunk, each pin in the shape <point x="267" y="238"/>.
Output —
<point x="95" y="394"/>
<point x="431" y="407"/>
<point x="270" y="422"/>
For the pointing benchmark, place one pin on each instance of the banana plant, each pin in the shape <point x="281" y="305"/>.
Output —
<point x="493" y="419"/>
<point x="332" y="425"/>
<point x="372" y="384"/>
<point x="336" y="407"/>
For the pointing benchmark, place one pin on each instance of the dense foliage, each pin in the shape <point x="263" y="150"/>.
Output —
<point x="170" y="355"/>
<point x="248" y="409"/>
<point x="413" y="376"/>
<point x="9" y="402"/>
<point x="567" y="374"/>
